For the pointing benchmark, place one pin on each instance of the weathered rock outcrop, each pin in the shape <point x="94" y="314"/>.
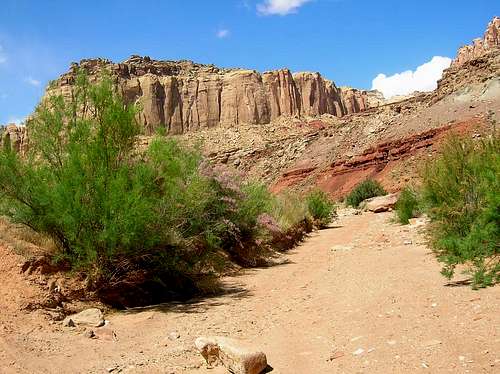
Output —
<point x="480" y="47"/>
<point x="15" y="136"/>
<point x="184" y="96"/>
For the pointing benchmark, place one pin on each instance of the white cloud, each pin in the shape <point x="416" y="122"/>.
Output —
<point x="423" y="79"/>
<point x="222" y="33"/>
<point x="32" y="81"/>
<point x="280" y="7"/>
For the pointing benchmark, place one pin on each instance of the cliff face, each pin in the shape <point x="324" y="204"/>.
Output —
<point x="184" y="96"/>
<point x="480" y="47"/>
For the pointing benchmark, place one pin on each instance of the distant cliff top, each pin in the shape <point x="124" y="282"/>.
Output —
<point x="480" y="46"/>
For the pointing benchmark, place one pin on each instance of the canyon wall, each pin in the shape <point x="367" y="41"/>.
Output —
<point x="184" y="96"/>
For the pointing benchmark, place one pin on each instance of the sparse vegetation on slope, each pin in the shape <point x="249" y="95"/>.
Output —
<point x="461" y="195"/>
<point x="364" y="190"/>
<point x="407" y="205"/>
<point x="321" y="207"/>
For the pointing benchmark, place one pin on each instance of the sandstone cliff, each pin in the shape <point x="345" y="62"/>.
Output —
<point x="480" y="47"/>
<point x="184" y="96"/>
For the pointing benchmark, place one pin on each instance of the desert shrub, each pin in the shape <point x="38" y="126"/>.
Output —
<point x="407" y="206"/>
<point x="320" y="207"/>
<point x="137" y="223"/>
<point x="461" y="194"/>
<point x="110" y="209"/>
<point x="364" y="190"/>
<point x="288" y="209"/>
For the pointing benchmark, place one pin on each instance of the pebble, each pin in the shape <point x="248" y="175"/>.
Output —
<point x="174" y="335"/>
<point x="336" y="355"/>
<point x="358" y="352"/>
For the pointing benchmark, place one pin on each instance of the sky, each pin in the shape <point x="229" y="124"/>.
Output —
<point x="394" y="46"/>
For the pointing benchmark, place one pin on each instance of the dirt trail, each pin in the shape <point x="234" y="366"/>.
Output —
<point x="356" y="287"/>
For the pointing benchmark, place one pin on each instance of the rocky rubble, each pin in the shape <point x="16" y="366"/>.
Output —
<point x="184" y="96"/>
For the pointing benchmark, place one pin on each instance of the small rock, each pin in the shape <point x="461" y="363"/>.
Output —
<point x="89" y="334"/>
<point x="424" y="365"/>
<point x="68" y="322"/>
<point x="418" y="222"/>
<point x="52" y="286"/>
<point x="174" y="335"/>
<point x="407" y="242"/>
<point x="358" y="352"/>
<point x="336" y="355"/>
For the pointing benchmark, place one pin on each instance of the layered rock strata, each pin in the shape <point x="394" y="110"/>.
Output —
<point x="184" y="96"/>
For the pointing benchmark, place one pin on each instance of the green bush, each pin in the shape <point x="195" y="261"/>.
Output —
<point x="128" y="218"/>
<point x="461" y="194"/>
<point x="109" y="208"/>
<point x="364" y="190"/>
<point x="407" y="206"/>
<point x="320" y="207"/>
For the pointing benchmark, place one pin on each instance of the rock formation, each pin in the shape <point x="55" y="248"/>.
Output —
<point x="15" y="136"/>
<point x="184" y="96"/>
<point x="480" y="47"/>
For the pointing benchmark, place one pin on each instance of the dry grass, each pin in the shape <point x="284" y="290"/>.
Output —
<point x="24" y="241"/>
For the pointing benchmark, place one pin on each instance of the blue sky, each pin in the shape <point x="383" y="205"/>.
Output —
<point x="348" y="41"/>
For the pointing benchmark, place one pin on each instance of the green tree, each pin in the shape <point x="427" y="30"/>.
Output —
<point x="461" y="195"/>
<point x="107" y="206"/>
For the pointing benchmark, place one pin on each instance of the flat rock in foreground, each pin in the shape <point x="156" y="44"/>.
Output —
<point x="235" y="355"/>
<point x="92" y="317"/>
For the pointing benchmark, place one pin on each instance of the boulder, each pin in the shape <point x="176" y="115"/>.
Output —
<point x="92" y="317"/>
<point x="235" y="355"/>
<point x="380" y="204"/>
